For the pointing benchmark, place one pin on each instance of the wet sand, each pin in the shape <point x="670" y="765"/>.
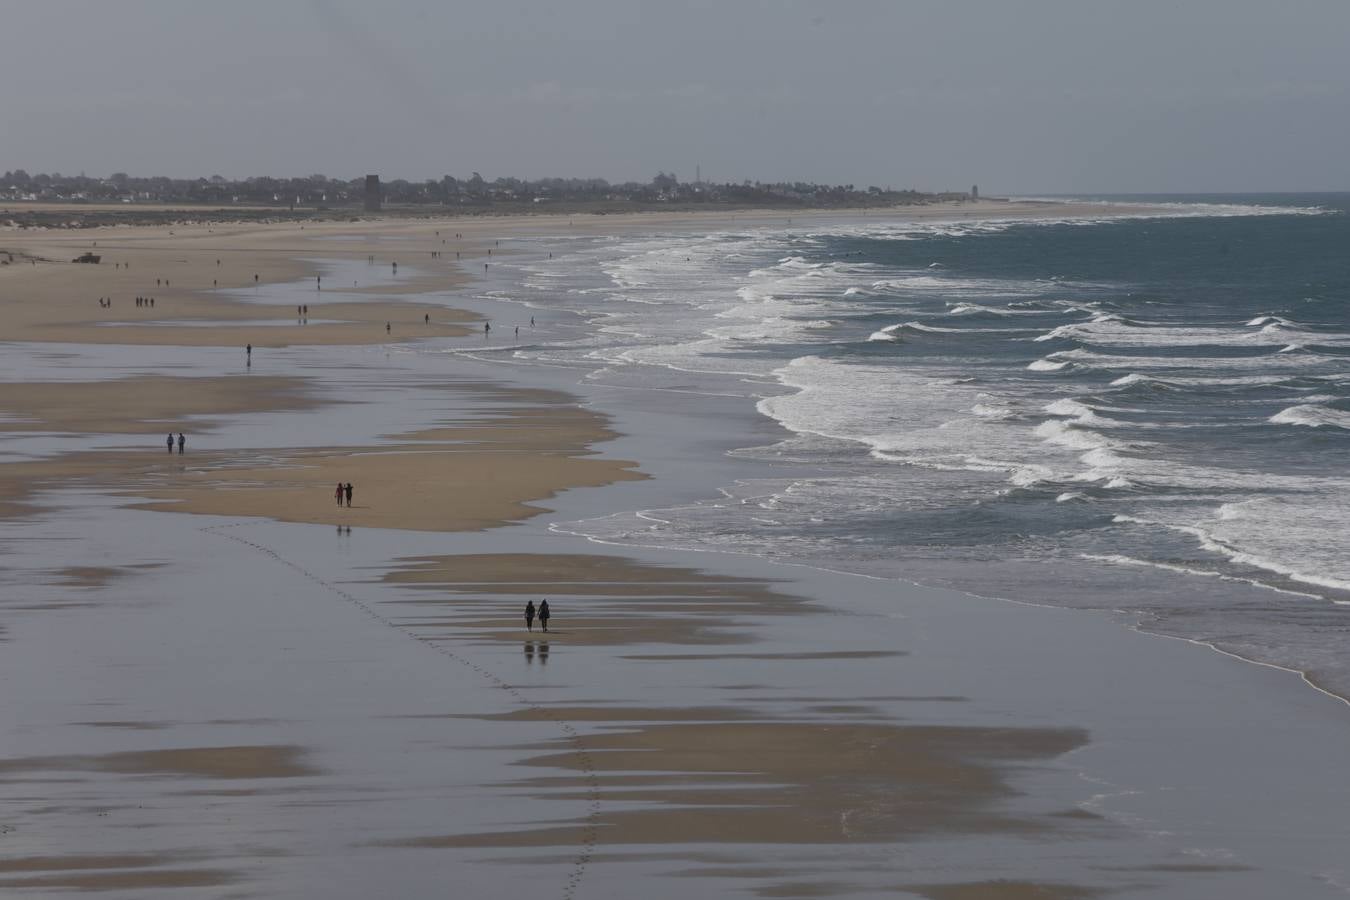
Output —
<point x="786" y="783"/>
<point x="227" y="684"/>
<point x="146" y="405"/>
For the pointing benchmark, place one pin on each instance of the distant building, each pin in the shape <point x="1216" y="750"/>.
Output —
<point x="373" y="199"/>
<point x="974" y="192"/>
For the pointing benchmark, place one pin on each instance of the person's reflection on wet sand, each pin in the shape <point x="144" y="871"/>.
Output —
<point x="529" y="651"/>
<point x="543" y="653"/>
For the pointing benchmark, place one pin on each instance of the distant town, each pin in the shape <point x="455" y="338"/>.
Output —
<point x="318" y="196"/>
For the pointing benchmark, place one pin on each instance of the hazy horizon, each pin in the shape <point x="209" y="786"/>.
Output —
<point x="1045" y="98"/>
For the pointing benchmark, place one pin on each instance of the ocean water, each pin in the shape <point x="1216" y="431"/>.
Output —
<point x="1142" y="412"/>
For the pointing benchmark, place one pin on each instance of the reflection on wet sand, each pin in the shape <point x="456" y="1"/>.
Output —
<point x="276" y="761"/>
<point x="842" y="782"/>
<point x="605" y="599"/>
<point x="1003" y="890"/>
<point x="125" y="880"/>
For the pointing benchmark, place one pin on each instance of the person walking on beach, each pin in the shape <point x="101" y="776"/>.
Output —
<point x="248" y="352"/>
<point x="181" y="441"/>
<point x="529" y="615"/>
<point x="168" y="441"/>
<point x="337" y="494"/>
<point x="348" y="491"/>
<point x="543" y="614"/>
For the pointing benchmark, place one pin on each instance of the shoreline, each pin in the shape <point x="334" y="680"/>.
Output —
<point x="104" y="215"/>
<point x="1129" y="618"/>
<point x="663" y="652"/>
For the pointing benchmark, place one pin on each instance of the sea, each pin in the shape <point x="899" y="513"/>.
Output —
<point x="1146" y="411"/>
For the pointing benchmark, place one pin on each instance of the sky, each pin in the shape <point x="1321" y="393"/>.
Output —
<point x="1019" y="96"/>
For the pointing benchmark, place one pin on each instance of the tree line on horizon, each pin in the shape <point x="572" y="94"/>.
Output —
<point x="320" y="191"/>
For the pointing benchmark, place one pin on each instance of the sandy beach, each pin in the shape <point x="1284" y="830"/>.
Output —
<point x="223" y="683"/>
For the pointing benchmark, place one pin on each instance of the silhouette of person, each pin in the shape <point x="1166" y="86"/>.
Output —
<point x="386" y="328"/>
<point x="487" y="326"/>
<point x="348" y="491"/>
<point x="529" y="615"/>
<point x="181" y="441"/>
<point x="337" y="494"/>
<point x="168" y="441"/>
<point x="543" y="614"/>
<point x="426" y="319"/>
<point x="248" y="351"/>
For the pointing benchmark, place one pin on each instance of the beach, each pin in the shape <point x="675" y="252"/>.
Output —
<point x="222" y="683"/>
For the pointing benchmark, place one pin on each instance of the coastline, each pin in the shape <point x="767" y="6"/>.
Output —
<point x="736" y="653"/>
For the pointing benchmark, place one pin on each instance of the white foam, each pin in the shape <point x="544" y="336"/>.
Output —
<point x="1311" y="416"/>
<point x="1114" y="331"/>
<point x="1134" y="378"/>
<point x="1151" y="209"/>
<point x="1295" y="364"/>
<point x="1066" y="434"/>
<point x="1298" y="533"/>
<point x="1074" y="409"/>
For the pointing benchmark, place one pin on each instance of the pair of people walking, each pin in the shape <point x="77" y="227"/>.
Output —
<point x="543" y="614"/>
<point x="182" y="442"/>
<point x="343" y="491"/>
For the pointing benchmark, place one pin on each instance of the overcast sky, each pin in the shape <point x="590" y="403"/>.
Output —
<point x="1021" y="96"/>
